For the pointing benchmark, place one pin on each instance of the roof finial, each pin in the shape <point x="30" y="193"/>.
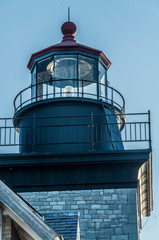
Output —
<point x="68" y="29"/>
<point x="68" y="14"/>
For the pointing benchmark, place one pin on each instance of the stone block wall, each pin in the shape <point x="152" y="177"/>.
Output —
<point x="6" y="231"/>
<point x="109" y="214"/>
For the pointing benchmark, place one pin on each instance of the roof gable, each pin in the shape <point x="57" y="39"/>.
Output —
<point x="24" y="215"/>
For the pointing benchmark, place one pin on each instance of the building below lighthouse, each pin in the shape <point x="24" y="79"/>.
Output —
<point x="81" y="164"/>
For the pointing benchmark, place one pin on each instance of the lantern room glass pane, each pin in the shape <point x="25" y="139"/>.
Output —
<point x="65" y="75"/>
<point x="44" y="77"/>
<point x="87" y="69"/>
<point x="65" y="67"/>
<point x="45" y="70"/>
<point x="87" y="74"/>
<point x="102" y="82"/>
<point x="33" y="83"/>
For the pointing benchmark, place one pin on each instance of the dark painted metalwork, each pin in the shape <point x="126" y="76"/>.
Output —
<point x="149" y="120"/>
<point x="69" y="128"/>
<point x="25" y="97"/>
<point x="109" y="169"/>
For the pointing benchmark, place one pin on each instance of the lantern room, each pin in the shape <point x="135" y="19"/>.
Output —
<point x="69" y="75"/>
<point x="68" y="69"/>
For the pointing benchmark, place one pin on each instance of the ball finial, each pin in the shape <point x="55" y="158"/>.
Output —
<point x="69" y="30"/>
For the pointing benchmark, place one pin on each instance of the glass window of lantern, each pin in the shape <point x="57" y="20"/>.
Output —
<point x="65" y="74"/>
<point x="87" y="74"/>
<point x="44" y="78"/>
<point x="65" y="67"/>
<point x="102" y="82"/>
<point x="33" y="83"/>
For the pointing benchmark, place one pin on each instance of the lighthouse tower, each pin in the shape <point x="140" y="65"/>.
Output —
<point x="72" y="132"/>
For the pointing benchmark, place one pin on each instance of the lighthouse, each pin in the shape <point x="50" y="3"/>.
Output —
<point x="72" y="134"/>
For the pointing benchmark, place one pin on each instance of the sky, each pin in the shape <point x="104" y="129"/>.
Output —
<point x="126" y="31"/>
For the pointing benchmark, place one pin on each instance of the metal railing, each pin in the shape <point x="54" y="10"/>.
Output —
<point x="135" y="135"/>
<point x="49" y="90"/>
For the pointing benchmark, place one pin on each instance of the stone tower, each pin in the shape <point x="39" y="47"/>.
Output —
<point x="75" y="152"/>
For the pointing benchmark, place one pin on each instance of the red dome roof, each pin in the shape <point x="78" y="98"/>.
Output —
<point x="68" y="44"/>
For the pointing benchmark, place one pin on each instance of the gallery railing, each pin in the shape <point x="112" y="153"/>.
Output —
<point x="75" y="88"/>
<point x="133" y="133"/>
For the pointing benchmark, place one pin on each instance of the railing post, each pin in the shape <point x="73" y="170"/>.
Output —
<point x="77" y="84"/>
<point x="47" y="91"/>
<point x="20" y="100"/>
<point x="130" y="133"/>
<point x="61" y="89"/>
<point x="31" y="93"/>
<point x="125" y="132"/>
<point x="97" y="91"/>
<point x="149" y="122"/>
<point x="112" y="97"/>
<point x="135" y="133"/>
<point x="53" y="85"/>
<point x="10" y="135"/>
<point x="5" y="132"/>
<point x="14" y="136"/>
<point x="82" y="88"/>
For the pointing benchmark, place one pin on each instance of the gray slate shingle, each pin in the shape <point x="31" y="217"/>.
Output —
<point x="64" y="223"/>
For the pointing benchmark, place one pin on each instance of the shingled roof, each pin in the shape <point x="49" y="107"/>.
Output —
<point x="64" y="223"/>
<point x="24" y="215"/>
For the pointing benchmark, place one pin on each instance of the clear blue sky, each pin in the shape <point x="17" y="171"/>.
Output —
<point x="127" y="31"/>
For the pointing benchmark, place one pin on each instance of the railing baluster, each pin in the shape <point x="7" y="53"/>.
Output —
<point x="5" y="131"/>
<point x="97" y="86"/>
<point x="10" y="136"/>
<point x="125" y="132"/>
<point x="14" y="136"/>
<point x="130" y="133"/>
<point x="135" y="132"/>
<point x="140" y="132"/>
<point x="20" y="99"/>
<point x="19" y="137"/>
<point x="53" y="84"/>
<point x="47" y="90"/>
<point x="149" y="121"/>
<point x="145" y="131"/>
<point x="31" y="95"/>
<point x="112" y="97"/>
<point x="78" y="88"/>
<point x="61" y="90"/>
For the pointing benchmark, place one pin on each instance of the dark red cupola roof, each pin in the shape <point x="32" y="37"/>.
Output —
<point x="68" y="44"/>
